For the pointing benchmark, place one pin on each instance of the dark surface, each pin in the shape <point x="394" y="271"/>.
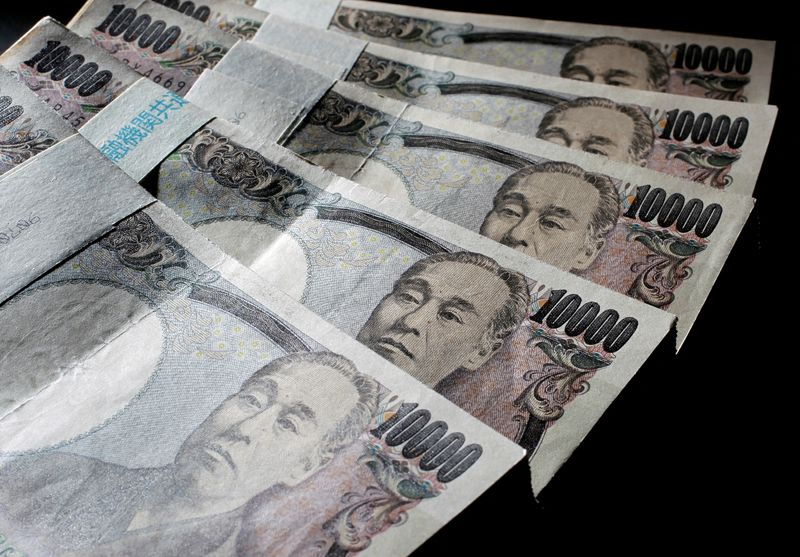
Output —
<point x="682" y="458"/>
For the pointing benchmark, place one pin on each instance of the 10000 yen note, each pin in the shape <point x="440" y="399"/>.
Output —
<point x="159" y="43"/>
<point x="231" y="16"/>
<point x="506" y="338"/>
<point x="67" y="72"/>
<point x="158" y="398"/>
<point x="708" y="66"/>
<point x="720" y="144"/>
<point x="27" y="125"/>
<point x="653" y="237"/>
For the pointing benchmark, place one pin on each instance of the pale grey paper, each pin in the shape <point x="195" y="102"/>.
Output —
<point x="334" y="48"/>
<point x="35" y="129"/>
<point x="311" y="12"/>
<point x="239" y="102"/>
<point x="74" y="202"/>
<point x="148" y="151"/>
<point x="274" y="73"/>
<point x="332" y="70"/>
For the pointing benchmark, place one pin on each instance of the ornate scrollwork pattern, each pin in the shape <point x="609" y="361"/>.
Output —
<point x="384" y="25"/>
<point x="379" y="506"/>
<point x="344" y="117"/>
<point x="248" y="172"/>
<point x="564" y="379"/>
<point x="25" y="145"/>
<point x="139" y="244"/>
<point x="241" y="27"/>
<point x="723" y="88"/>
<point x="708" y="167"/>
<point x="664" y="269"/>
<point x="371" y="127"/>
<point x="197" y="58"/>
<point x="409" y="81"/>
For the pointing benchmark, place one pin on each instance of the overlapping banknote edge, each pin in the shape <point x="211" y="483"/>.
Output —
<point x="685" y="305"/>
<point x="502" y="455"/>
<point x="431" y="81"/>
<point x="135" y="96"/>
<point x="403" y="25"/>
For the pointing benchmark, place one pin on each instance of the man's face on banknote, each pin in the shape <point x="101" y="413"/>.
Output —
<point x="266" y="434"/>
<point x="611" y="64"/>
<point x="436" y="321"/>
<point x="593" y="129"/>
<point x="546" y="215"/>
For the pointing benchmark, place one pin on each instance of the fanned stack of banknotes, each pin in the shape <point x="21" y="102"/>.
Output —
<point x="305" y="277"/>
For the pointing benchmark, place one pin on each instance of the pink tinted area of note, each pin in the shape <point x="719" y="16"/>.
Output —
<point x="176" y="70"/>
<point x="74" y="108"/>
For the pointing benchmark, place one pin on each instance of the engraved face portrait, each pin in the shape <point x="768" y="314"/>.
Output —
<point x="618" y="62"/>
<point x="555" y="212"/>
<point x="446" y="312"/>
<point x="285" y="423"/>
<point x="595" y="125"/>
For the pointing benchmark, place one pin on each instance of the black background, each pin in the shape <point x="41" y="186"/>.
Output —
<point x="684" y="458"/>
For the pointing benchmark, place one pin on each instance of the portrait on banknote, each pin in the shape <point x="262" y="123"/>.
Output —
<point x="556" y="212"/>
<point x="447" y="312"/>
<point x="600" y="126"/>
<point x="618" y="62"/>
<point x="454" y="319"/>
<point x="198" y="415"/>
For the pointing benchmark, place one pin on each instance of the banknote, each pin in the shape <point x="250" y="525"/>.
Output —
<point x="157" y="42"/>
<point x="655" y="238"/>
<point x="514" y="342"/>
<point x="142" y="126"/>
<point x="67" y="72"/>
<point x="238" y="101"/>
<point x="683" y="63"/>
<point x="27" y="125"/>
<point x="720" y="144"/>
<point x="158" y="398"/>
<point x="231" y="16"/>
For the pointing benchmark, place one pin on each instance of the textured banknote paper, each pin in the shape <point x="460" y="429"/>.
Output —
<point x="655" y="238"/>
<point x="311" y="12"/>
<point x="337" y="52"/>
<point x="534" y="352"/>
<point x="49" y="211"/>
<point x="274" y="73"/>
<point x="67" y="72"/>
<point x="231" y="16"/>
<point x="683" y="63"/>
<point x="159" y="43"/>
<point x="160" y="399"/>
<point x="142" y="126"/>
<point x="238" y="102"/>
<point x="720" y="144"/>
<point x="27" y="125"/>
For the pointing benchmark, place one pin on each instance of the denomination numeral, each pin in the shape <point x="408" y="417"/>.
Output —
<point x="653" y="203"/>
<point x="711" y="58"/>
<point x="200" y="13"/>
<point x="682" y="124"/>
<point x="56" y="59"/>
<point x="8" y="112"/>
<point x="431" y="441"/>
<point x="140" y="29"/>
<point x="578" y="318"/>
